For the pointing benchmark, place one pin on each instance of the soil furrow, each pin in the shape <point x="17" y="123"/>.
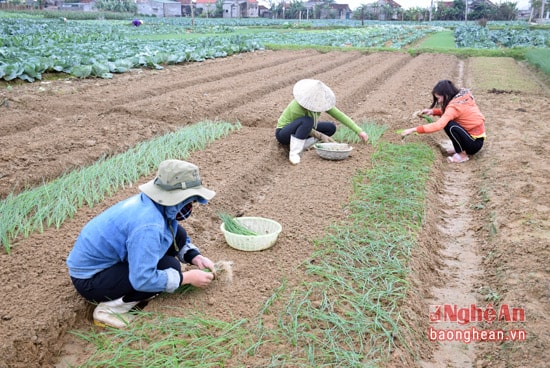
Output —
<point x="217" y="100"/>
<point x="407" y="89"/>
<point x="337" y="78"/>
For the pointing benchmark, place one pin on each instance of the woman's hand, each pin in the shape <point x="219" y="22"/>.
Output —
<point x="364" y="136"/>
<point x="408" y="131"/>
<point x="202" y="262"/>
<point x="197" y="278"/>
<point x="421" y="113"/>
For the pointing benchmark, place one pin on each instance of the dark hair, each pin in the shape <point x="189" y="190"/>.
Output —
<point x="444" y="88"/>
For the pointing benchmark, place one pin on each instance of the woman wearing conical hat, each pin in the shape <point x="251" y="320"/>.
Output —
<point x="301" y="116"/>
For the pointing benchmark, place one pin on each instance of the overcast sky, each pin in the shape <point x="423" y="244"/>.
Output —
<point x="406" y="4"/>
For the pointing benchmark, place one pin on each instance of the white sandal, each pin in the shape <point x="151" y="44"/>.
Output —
<point x="457" y="158"/>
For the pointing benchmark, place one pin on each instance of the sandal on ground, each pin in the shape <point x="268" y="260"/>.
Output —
<point x="457" y="158"/>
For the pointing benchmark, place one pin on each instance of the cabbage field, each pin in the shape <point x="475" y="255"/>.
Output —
<point x="31" y="47"/>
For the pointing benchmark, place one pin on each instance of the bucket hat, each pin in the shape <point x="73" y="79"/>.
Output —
<point x="314" y="95"/>
<point x="175" y="182"/>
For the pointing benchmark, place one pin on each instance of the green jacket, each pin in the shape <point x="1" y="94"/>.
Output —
<point x="294" y="111"/>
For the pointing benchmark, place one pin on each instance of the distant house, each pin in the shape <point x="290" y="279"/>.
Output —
<point x="205" y="6"/>
<point x="342" y="10"/>
<point x="250" y="8"/>
<point x="264" y="12"/>
<point x="330" y="10"/>
<point x="310" y="7"/>
<point x="159" y="8"/>
<point x="85" y="5"/>
<point x="240" y="9"/>
<point x="166" y="8"/>
<point x="385" y="9"/>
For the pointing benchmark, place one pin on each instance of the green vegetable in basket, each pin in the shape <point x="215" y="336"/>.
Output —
<point x="233" y="226"/>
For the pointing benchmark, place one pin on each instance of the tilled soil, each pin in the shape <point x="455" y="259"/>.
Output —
<point x="49" y="128"/>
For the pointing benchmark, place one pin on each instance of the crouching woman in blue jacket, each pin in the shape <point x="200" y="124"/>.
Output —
<point x="132" y="251"/>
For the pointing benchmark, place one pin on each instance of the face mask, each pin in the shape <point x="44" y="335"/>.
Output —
<point x="185" y="212"/>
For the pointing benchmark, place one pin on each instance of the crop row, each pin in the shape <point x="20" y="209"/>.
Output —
<point x="29" y="48"/>
<point x="34" y="210"/>
<point x="475" y="36"/>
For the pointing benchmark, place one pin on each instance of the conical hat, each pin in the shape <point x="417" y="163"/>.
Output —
<point x="314" y="95"/>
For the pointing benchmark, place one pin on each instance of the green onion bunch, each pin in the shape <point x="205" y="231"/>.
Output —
<point x="233" y="226"/>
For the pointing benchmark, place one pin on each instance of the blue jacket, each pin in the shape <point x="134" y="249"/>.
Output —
<point x="135" y="231"/>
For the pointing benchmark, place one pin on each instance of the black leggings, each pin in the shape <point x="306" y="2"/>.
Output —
<point x="114" y="282"/>
<point x="462" y="140"/>
<point x="301" y="127"/>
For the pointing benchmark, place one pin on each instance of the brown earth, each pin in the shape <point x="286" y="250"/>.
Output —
<point x="48" y="128"/>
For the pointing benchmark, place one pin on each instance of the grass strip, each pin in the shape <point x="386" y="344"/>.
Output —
<point x="375" y="131"/>
<point x="52" y="203"/>
<point x="348" y="314"/>
<point x="190" y="341"/>
<point x="438" y="40"/>
<point x="540" y="58"/>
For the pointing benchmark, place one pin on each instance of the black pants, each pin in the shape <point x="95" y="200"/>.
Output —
<point x="114" y="282"/>
<point x="301" y="127"/>
<point x="462" y="140"/>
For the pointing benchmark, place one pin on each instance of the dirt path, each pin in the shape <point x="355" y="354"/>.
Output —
<point x="461" y="263"/>
<point x="53" y="127"/>
<point x="461" y="266"/>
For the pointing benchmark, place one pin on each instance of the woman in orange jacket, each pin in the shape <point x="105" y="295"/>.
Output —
<point x="460" y="117"/>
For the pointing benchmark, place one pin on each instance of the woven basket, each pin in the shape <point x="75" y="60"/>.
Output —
<point x="268" y="230"/>
<point x="333" y="151"/>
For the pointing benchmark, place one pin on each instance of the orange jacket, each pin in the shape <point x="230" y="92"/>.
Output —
<point x="462" y="109"/>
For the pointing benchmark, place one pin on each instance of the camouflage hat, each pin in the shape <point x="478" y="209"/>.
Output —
<point x="175" y="182"/>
